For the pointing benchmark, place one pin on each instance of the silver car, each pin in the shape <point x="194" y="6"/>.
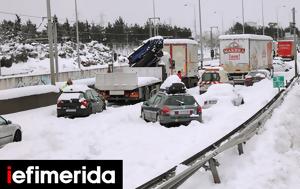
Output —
<point x="9" y="132"/>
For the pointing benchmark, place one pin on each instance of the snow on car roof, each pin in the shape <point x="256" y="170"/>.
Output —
<point x="180" y="41"/>
<point x="76" y="88"/>
<point x="69" y="96"/>
<point x="245" y="36"/>
<point x="169" y="81"/>
<point x="220" y="89"/>
<point x="153" y="38"/>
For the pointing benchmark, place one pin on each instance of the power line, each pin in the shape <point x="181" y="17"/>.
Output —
<point x="23" y="15"/>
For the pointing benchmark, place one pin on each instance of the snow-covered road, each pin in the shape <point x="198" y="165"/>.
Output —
<point x="271" y="159"/>
<point x="147" y="149"/>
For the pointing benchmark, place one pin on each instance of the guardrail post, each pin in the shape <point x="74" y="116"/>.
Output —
<point x="213" y="168"/>
<point x="240" y="149"/>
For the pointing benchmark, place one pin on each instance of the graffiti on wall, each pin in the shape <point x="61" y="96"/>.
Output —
<point x="32" y="81"/>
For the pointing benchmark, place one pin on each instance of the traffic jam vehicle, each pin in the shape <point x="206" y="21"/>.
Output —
<point x="173" y="106"/>
<point x="285" y="49"/>
<point x="256" y="76"/>
<point x="79" y="100"/>
<point x="212" y="75"/>
<point x="9" y="132"/>
<point x="240" y="54"/>
<point x="222" y="93"/>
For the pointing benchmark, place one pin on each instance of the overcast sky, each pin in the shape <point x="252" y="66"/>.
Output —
<point x="169" y="11"/>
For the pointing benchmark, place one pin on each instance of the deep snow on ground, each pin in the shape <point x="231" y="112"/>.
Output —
<point x="147" y="149"/>
<point x="271" y="159"/>
<point x="37" y="67"/>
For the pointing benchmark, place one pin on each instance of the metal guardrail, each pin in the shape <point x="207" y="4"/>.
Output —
<point x="237" y="137"/>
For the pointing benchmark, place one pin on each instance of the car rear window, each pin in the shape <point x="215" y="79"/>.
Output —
<point x="69" y="96"/>
<point x="210" y="77"/>
<point x="180" y="100"/>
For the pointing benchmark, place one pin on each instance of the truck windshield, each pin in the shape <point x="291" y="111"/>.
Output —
<point x="211" y="77"/>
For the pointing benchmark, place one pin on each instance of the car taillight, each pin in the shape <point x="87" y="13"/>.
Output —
<point x="59" y="103"/>
<point x="84" y="103"/>
<point x="165" y="110"/>
<point x="134" y="94"/>
<point x="199" y="109"/>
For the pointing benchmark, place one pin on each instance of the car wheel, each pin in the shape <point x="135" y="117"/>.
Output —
<point x="143" y="116"/>
<point x="17" y="136"/>
<point x="186" y="123"/>
<point x="243" y="102"/>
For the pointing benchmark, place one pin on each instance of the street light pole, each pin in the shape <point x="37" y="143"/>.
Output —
<point x="154" y="24"/>
<point x="50" y="39"/>
<point x="243" y="16"/>
<point x="201" y="42"/>
<point x="295" y="41"/>
<point x="77" y="35"/>
<point x="263" y="18"/>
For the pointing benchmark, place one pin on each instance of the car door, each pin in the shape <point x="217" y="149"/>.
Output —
<point x="155" y="108"/>
<point x="5" y="132"/>
<point x="98" y="101"/>
<point x="91" y="100"/>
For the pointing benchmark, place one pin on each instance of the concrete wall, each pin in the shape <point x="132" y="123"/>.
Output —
<point x="28" y="102"/>
<point x="18" y="81"/>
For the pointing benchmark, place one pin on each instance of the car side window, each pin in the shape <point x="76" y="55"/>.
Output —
<point x="151" y="100"/>
<point x="2" y="121"/>
<point x="89" y="95"/>
<point x="96" y="95"/>
<point x="157" y="100"/>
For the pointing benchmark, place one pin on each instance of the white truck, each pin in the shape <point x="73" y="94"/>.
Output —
<point x="183" y="57"/>
<point x="143" y="75"/>
<point x="129" y="83"/>
<point x="242" y="53"/>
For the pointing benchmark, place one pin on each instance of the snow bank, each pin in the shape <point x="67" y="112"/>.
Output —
<point x="143" y="81"/>
<point x="271" y="159"/>
<point x="170" y="80"/>
<point x="27" y="91"/>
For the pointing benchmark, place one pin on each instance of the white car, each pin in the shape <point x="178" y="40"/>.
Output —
<point x="221" y="94"/>
<point x="9" y="132"/>
<point x="280" y="66"/>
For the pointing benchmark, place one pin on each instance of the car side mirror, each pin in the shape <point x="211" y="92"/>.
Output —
<point x="8" y="122"/>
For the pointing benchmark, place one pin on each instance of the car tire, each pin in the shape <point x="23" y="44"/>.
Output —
<point x="243" y="102"/>
<point x="17" y="136"/>
<point x="186" y="123"/>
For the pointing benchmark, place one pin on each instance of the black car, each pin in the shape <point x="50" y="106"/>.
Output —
<point x="77" y="101"/>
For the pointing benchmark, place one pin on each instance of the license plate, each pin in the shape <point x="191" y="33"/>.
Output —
<point x="70" y="110"/>
<point x="185" y="112"/>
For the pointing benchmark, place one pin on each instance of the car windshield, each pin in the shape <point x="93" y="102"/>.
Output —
<point x="257" y="74"/>
<point x="180" y="100"/>
<point x="210" y="77"/>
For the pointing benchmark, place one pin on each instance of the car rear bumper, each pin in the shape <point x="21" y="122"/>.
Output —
<point x="77" y="113"/>
<point x="181" y="119"/>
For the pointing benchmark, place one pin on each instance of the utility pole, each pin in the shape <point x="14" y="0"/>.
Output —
<point x="295" y="41"/>
<point x="211" y="36"/>
<point x="243" y="14"/>
<point x="262" y="14"/>
<point x="50" y="39"/>
<point x="150" y="27"/>
<point x="201" y="42"/>
<point x="77" y="35"/>
<point x="154" y="24"/>
<point x="55" y="46"/>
